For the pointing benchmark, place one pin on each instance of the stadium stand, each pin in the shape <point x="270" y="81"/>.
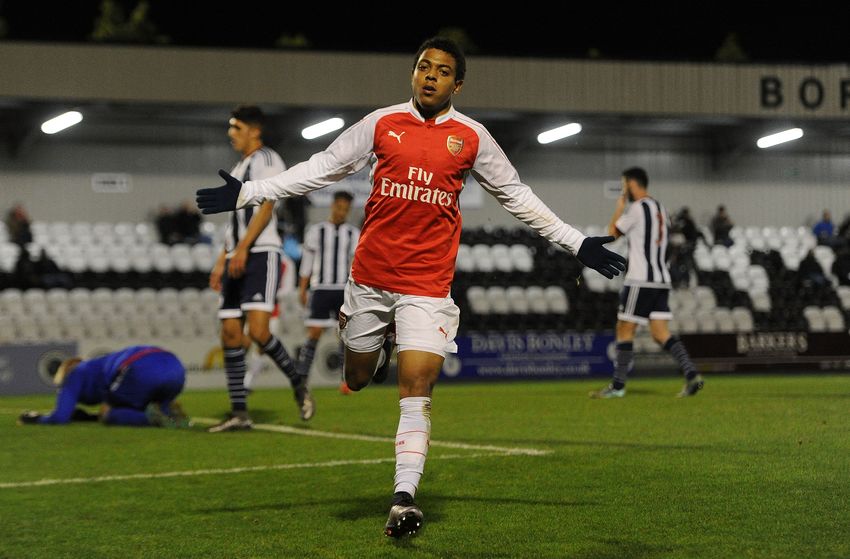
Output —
<point x="125" y="284"/>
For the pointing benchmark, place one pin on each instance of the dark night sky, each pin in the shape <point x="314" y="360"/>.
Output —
<point x="801" y="32"/>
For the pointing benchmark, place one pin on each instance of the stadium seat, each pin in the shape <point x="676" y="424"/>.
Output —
<point x="502" y="261"/>
<point x="497" y="300"/>
<point x="556" y="299"/>
<point x="26" y="328"/>
<point x="814" y="319"/>
<point x="478" y="300"/>
<point x="482" y="258"/>
<point x="833" y="319"/>
<point x="687" y="324"/>
<point x="725" y="322"/>
<point x="706" y="323"/>
<point x="522" y="258"/>
<point x="705" y="298"/>
<point x="537" y="302"/>
<point x="210" y="301"/>
<point x="761" y="300"/>
<point x="464" y="261"/>
<point x="517" y="300"/>
<point x="743" y="319"/>
<point x="844" y="296"/>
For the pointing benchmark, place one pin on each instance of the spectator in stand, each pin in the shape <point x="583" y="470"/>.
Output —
<point x="824" y="230"/>
<point x="165" y="225"/>
<point x="49" y="274"/>
<point x="25" y="275"/>
<point x="841" y="266"/>
<point x="810" y="273"/>
<point x="721" y="225"/>
<point x="18" y="225"/>
<point x="187" y="223"/>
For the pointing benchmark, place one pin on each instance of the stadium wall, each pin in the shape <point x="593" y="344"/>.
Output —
<point x="54" y="181"/>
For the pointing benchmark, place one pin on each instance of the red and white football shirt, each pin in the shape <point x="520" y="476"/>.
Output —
<point x="411" y="233"/>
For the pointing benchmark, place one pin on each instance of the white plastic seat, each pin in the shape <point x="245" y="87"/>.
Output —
<point x="706" y="323"/>
<point x="761" y="300"/>
<point x="26" y="328"/>
<point x="517" y="299"/>
<point x="833" y="318"/>
<point x="844" y="296"/>
<point x="743" y="319"/>
<point x="483" y="260"/>
<point x="522" y="257"/>
<point x="168" y="300"/>
<point x="536" y="297"/>
<point x="210" y="301"/>
<point x="557" y="299"/>
<point x="498" y="300"/>
<point x="464" y="262"/>
<point x="501" y="258"/>
<point x="815" y="319"/>
<point x="594" y="280"/>
<point x="725" y="322"/>
<point x="189" y="299"/>
<point x="688" y="324"/>
<point x="705" y="297"/>
<point x="478" y="300"/>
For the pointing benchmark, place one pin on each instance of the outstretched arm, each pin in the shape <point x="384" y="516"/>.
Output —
<point x="495" y="173"/>
<point x="349" y="153"/>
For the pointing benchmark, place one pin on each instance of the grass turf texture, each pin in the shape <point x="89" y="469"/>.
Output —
<point x="752" y="467"/>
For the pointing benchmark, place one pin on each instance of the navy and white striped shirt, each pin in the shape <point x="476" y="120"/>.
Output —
<point x="262" y="164"/>
<point x="644" y="224"/>
<point x="328" y="252"/>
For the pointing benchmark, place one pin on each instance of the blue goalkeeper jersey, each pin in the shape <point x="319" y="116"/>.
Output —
<point x="89" y="382"/>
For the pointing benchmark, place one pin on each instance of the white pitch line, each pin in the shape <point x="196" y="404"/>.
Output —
<point x="372" y="438"/>
<point x="208" y="472"/>
<point x="356" y="437"/>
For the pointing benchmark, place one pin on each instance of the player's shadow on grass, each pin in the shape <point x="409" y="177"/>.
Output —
<point x="624" y="445"/>
<point x="610" y="548"/>
<point x="371" y="506"/>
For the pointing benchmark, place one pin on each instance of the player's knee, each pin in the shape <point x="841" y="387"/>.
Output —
<point x="259" y="333"/>
<point x="356" y="380"/>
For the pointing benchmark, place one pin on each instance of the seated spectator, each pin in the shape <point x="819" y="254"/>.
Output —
<point x="187" y="223"/>
<point x="721" y="225"/>
<point x="841" y="266"/>
<point x="18" y="225"/>
<point x="165" y="225"/>
<point x="824" y="230"/>
<point x="810" y="273"/>
<point x="49" y="273"/>
<point x="25" y="275"/>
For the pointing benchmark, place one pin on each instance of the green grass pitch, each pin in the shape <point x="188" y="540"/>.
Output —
<point x="752" y="467"/>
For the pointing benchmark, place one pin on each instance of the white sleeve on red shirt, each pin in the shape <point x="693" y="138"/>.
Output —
<point x="346" y="155"/>
<point x="494" y="172"/>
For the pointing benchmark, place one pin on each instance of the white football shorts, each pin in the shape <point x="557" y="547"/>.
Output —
<point x="422" y="323"/>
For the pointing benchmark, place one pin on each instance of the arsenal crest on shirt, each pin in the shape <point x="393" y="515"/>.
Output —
<point x="455" y="144"/>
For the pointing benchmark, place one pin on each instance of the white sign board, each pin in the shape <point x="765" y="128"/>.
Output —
<point x="612" y="189"/>
<point x="111" y="183"/>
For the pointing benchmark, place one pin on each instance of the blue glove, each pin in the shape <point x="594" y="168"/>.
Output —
<point x="221" y="199"/>
<point x="592" y="254"/>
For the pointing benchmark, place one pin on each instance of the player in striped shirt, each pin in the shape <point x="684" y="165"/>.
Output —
<point x="420" y="153"/>
<point x="644" y="299"/>
<point x="247" y="273"/>
<point x="326" y="262"/>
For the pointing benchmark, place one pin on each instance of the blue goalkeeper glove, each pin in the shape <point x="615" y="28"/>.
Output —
<point x="220" y="199"/>
<point x="592" y="254"/>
